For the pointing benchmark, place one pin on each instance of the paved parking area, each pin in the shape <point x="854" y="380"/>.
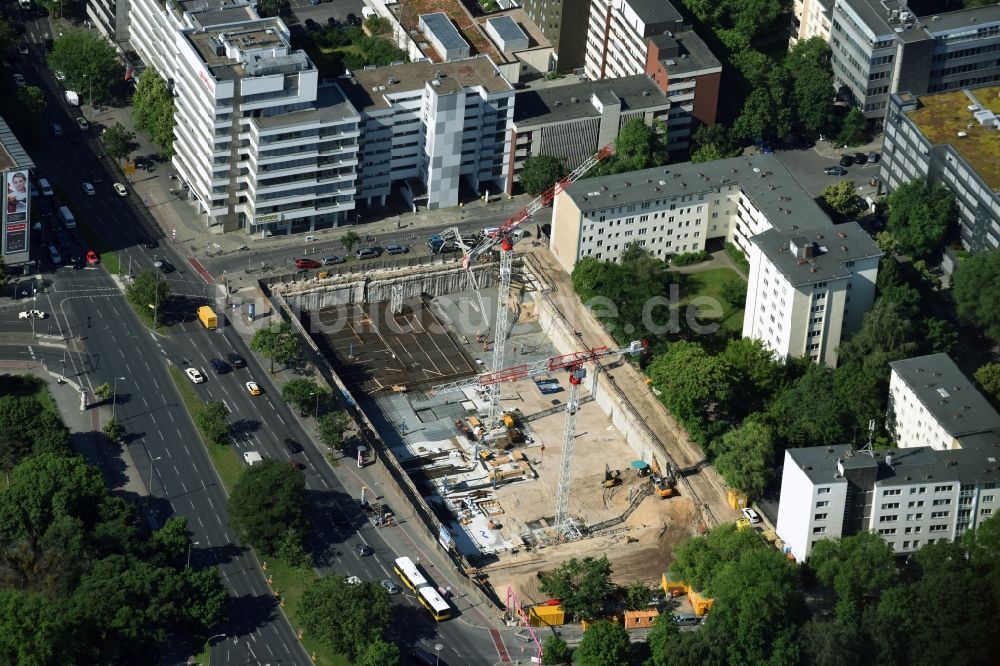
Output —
<point x="807" y="166"/>
<point x="338" y="9"/>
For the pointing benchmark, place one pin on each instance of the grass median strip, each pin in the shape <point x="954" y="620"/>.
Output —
<point x="223" y="456"/>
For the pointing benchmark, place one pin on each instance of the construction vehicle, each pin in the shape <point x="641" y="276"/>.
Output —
<point x="663" y="484"/>
<point x="612" y="477"/>
<point x="504" y="236"/>
<point x="574" y="363"/>
<point x="207" y="317"/>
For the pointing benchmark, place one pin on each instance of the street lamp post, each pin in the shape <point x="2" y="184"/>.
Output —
<point x="191" y="543"/>
<point x="437" y="650"/>
<point x="149" y="486"/>
<point x="209" y="640"/>
<point x="114" y="399"/>
<point x="316" y="414"/>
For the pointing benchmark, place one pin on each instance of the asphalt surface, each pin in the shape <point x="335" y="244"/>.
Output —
<point x="107" y="342"/>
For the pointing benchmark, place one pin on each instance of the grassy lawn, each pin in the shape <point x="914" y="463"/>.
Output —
<point x="223" y="456"/>
<point x="709" y="283"/>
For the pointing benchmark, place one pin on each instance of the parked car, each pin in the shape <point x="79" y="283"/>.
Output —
<point x="835" y="171"/>
<point x="19" y="80"/>
<point x="56" y="129"/>
<point x="88" y="189"/>
<point x="860" y="158"/>
<point x="121" y="190"/>
<point x="369" y="253"/>
<point x="846" y="161"/>
<point x="307" y="263"/>
<point x="82" y="124"/>
<point x="352" y="19"/>
<point x="686" y="619"/>
<point x="873" y="157"/>
<point x="396" y="249"/>
<point x="92" y="258"/>
<point x="750" y="515"/>
<point x="22" y="48"/>
<point x="333" y="259"/>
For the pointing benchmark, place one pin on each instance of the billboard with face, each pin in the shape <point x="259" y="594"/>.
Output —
<point x="18" y="196"/>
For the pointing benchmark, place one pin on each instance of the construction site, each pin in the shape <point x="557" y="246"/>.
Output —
<point x="527" y="445"/>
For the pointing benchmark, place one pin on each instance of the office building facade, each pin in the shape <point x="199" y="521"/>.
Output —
<point x="950" y="138"/>
<point x="261" y="145"/>
<point x="564" y="24"/>
<point x="427" y="128"/>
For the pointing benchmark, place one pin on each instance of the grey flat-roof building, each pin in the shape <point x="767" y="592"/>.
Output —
<point x="573" y="121"/>
<point x="931" y="403"/>
<point x="443" y="34"/>
<point x="909" y="497"/>
<point x="507" y="34"/>
<point x="881" y="46"/>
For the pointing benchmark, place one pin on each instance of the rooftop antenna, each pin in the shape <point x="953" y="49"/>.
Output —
<point x="869" y="447"/>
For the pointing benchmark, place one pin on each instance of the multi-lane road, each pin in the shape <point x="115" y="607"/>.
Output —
<point x="107" y="343"/>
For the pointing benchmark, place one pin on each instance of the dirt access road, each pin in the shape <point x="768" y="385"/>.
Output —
<point x="703" y="478"/>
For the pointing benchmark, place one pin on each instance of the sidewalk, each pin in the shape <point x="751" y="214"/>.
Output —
<point x="830" y="149"/>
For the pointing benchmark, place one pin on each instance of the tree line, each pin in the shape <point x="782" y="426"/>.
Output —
<point x="83" y="579"/>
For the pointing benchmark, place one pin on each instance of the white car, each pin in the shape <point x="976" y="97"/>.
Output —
<point x="19" y="80"/>
<point x="194" y="375"/>
<point x="120" y="189"/>
<point x="750" y="515"/>
<point x="31" y="314"/>
<point x="88" y="189"/>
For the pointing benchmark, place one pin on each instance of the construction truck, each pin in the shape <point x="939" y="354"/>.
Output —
<point x="663" y="484"/>
<point x="207" y="317"/>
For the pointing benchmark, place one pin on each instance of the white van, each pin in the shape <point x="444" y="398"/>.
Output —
<point x="73" y="98"/>
<point x="44" y="186"/>
<point x="367" y="12"/>
<point x="66" y="215"/>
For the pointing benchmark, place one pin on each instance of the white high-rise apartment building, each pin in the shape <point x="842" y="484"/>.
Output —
<point x="260" y="143"/>
<point x="427" y="126"/>
<point x="810" y="282"/>
<point x="808" y="290"/>
<point x="617" y="34"/>
<point x="931" y="403"/>
<point x="909" y="497"/>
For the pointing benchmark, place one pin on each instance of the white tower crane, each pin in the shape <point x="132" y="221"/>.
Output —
<point x="502" y="238"/>
<point x="575" y="363"/>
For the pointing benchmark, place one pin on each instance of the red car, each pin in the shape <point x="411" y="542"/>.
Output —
<point x="307" y="263"/>
<point x="92" y="258"/>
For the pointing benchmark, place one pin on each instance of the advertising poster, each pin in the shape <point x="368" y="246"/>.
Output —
<point x="15" y="237"/>
<point x="18" y="197"/>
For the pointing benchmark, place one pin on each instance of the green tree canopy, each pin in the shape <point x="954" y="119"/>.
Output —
<point x="153" y="110"/>
<point x="700" y="559"/>
<point x="350" y="240"/>
<point x="541" y="172"/>
<point x="302" y="394"/>
<point x="691" y="381"/>
<point x="584" y="586"/>
<point x="812" y="85"/>
<point x="637" y="146"/>
<point x="988" y="376"/>
<point x="331" y="429"/>
<point x="856" y="567"/>
<point x="277" y="343"/>
<point x="27" y="426"/>
<point x="268" y="498"/>
<point x="604" y="644"/>
<point x="714" y="143"/>
<point x="842" y="198"/>
<point x="637" y="596"/>
<point x="378" y="652"/>
<point x="920" y="216"/>
<point x="853" y="129"/>
<point x="555" y="651"/>
<point x="89" y="62"/>
<point x="810" y="412"/>
<point x="744" y="457"/>
<point x="147" y="289"/>
<point x="33" y="99"/>
<point x="977" y="291"/>
<point x="343" y="616"/>
<point x="117" y="141"/>
<point x="213" y="421"/>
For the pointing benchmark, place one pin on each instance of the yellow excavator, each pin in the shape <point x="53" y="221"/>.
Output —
<point x="612" y="477"/>
<point x="663" y="483"/>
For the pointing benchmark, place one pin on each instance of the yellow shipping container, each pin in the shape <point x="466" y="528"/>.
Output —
<point x="737" y="500"/>
<point x="546" y="616"/>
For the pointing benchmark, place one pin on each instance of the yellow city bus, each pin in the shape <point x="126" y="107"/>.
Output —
<point x="409" y="574"/>
<point x="434" y="603"/>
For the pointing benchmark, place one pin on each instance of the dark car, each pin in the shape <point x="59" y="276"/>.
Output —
<point x="396" y="249"/>
<point x="860" y="158"/>
<point x="96" y="178"/>
<point x="163" y="265"/>
<point x="333" y="259"/>
<point x="369" y="253"/>
<point x="835" y="171"/>
<point x="220" y="366"/>
<point x="846" y="161"/>
<point x="77" y="236"/>
<point x="292" y="446"/>
<point x="332" y="22"/>
<point x="312" y="26"/>
<point x="363" y="550"/>
<point x="150" y="243"/>
<point x="352" y="19"/>
<point x="424" y="658"/>
<point x="307" y="263"/>
<point x="236" y="360"/>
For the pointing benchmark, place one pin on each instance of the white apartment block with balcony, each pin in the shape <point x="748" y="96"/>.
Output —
<point x="753" y="202"/>
<point x="931" y="403"/>
<point x="809" y="290"/>
<point x="427" y="127"/>
<point x="811" y="18"/>
<point x="111" y="18"/>
<point x="261" y="145"/>
<point x="909" y="497"/>
<point x="617" y="34"/>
